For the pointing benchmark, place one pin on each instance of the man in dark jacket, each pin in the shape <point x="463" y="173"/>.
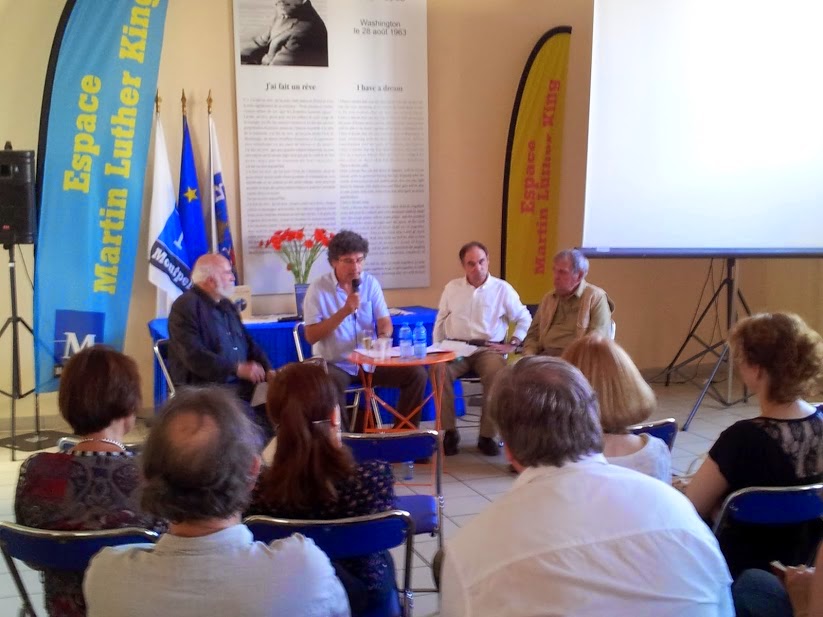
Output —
<point x="208" y="343"/>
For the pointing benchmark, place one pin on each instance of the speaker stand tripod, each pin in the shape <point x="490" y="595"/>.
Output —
<point x="729" y="284"/>
<point x="39" y="439"/>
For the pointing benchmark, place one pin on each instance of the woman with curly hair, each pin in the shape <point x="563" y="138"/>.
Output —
<point x="780" y="359"/>
<point x="313" y="475"/>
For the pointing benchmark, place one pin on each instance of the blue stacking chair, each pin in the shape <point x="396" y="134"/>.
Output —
<point x="43" y="549"/>
<point x="771" y="505"/>
<point x="402" y="447"/>
<point x="303" y="351"/>
<point x="663" y="429"/>
<point x="352" y="537"/>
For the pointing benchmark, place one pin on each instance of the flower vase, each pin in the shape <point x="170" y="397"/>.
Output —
<point x="299" y="296"/>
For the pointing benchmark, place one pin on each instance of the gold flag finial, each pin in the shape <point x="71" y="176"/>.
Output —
<point x="183" y="101"/>
<point x="157" y="101"/>
<point x="209" y="101"/>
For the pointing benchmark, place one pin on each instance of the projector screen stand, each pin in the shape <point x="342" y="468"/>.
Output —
<point x="719" y="349"/>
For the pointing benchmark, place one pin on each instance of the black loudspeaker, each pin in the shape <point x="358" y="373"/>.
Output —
<point x="18" y="213"/>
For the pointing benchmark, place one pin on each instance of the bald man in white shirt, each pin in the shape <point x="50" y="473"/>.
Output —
<point x="477" y="308"/>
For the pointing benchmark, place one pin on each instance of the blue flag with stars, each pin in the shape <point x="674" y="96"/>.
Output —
<point x="188" y="202"/>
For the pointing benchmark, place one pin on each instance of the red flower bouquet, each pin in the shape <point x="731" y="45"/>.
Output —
<point x="298" y="250"/>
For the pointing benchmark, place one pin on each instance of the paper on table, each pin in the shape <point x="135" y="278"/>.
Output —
<point x="460" y="349"/>
<point x="267" y="318"/>
<point x="258" y="397"/>
<point x="399" y="311"/>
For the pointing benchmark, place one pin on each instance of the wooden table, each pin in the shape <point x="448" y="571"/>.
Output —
<point x="436" y="363"/>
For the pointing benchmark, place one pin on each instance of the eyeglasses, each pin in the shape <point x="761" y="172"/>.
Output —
<point x="350" y="261"/>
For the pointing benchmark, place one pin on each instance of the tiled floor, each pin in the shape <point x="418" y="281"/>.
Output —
<point x="471" y="482"/>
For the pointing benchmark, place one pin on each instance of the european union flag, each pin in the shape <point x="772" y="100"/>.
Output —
<point x="188" y="202"/>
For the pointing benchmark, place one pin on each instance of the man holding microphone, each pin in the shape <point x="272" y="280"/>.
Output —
<point x="348" y="301"/>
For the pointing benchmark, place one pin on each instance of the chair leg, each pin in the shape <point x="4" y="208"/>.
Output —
<point x="356" y="406"/>
<point x="27" y="610"/>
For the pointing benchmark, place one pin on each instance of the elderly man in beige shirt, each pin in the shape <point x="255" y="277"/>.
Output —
<point x="571" y="310"/>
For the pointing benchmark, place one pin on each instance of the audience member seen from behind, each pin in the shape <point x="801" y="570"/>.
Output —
<point x="795" y="592"/>
<point x="624" y="399"/>
<point x="575" y="535"/>
<point x="200" y="465"/>
<point x="313" y="475"/>
<point x="780" y="359"/>
<point x="96" y="485"/>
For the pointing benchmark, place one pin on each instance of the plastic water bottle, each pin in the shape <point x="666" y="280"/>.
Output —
<point x="405" y="336"/>
<point x="419" y="338"/>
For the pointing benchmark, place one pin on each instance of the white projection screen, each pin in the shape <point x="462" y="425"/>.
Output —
<point x="705" y="128"/>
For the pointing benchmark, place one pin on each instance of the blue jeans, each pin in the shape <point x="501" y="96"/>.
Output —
<point x="757" y="593"/>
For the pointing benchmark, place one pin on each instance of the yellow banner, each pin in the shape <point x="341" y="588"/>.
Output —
<point x="531" y="191"/>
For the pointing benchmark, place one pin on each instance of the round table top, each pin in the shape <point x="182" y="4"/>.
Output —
<point x="430" y="358"/>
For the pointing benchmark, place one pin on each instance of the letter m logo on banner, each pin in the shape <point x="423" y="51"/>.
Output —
<point x="73" y="332"/>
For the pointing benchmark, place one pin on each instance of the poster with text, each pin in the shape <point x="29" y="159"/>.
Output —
<point x="332" y="114"/>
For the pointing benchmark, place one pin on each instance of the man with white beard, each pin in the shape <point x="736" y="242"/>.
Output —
<point x="208" y="343"/>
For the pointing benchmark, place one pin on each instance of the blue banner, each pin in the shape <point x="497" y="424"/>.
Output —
<point x="188" y="202"/>
<point x="94" y="139"/>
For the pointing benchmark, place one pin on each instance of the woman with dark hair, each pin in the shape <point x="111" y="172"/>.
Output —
<point x="313" y="476"/>
<point x="96" y="485"/>
<point x="780" y="359"/>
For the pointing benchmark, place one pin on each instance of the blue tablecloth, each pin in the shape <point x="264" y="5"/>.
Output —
<point x="276" y="339"/>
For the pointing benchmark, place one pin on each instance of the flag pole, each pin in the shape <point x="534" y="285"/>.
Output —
<point x="212" y="215"/>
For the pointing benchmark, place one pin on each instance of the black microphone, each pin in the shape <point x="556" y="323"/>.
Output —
<point x="355" y="288"/>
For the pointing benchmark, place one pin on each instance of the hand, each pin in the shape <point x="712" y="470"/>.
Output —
<point x="352" y="303"/>
<point x="251" y="371"/>
<point x="502" y="348"/>
<point x="798" y="585"/>
<point x="680" y="483"/>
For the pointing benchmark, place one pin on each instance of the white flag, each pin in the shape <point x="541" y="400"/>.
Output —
<point x="167" y="258"/>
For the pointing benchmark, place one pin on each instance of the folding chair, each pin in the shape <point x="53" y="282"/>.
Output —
<point x="161" y="353"/>
<point x="303" y="350"/>
<point x="65" y="444"/>
<point x="792" y="512"/>
<point x="402" y="447"/>
<point x="771" y="505"/>
<point x="662" y="429"/>
<point x="352" y="537"/>
<point x="43" y="549"/>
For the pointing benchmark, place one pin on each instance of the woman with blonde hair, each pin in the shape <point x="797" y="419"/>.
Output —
<point x="780" y="360"/>
<point x="624" y="399"/>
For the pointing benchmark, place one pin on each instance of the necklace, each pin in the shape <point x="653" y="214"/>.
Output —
<point x="113" y="442"/>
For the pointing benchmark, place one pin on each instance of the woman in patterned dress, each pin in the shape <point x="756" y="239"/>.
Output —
<point x="314" y="476"/>
<point x="96" y="485"/>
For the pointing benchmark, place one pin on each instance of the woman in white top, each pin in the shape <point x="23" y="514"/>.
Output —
<point x="624" y="399"/>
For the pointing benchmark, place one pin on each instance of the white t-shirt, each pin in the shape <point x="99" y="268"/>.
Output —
<point x="653" y="459"/>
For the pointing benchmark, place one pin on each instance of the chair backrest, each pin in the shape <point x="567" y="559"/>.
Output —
<point x="348" y="537"/>
<point x="771" y="505"/>
<point x="301" y="345"/>
<point x="161" y="353"/>
<point x="64" y="550"/>
<point x="59" y="550"/>
<point x="65" y="444"/>
<point x="396" y="447"/>
<point x="662" y="429"/>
